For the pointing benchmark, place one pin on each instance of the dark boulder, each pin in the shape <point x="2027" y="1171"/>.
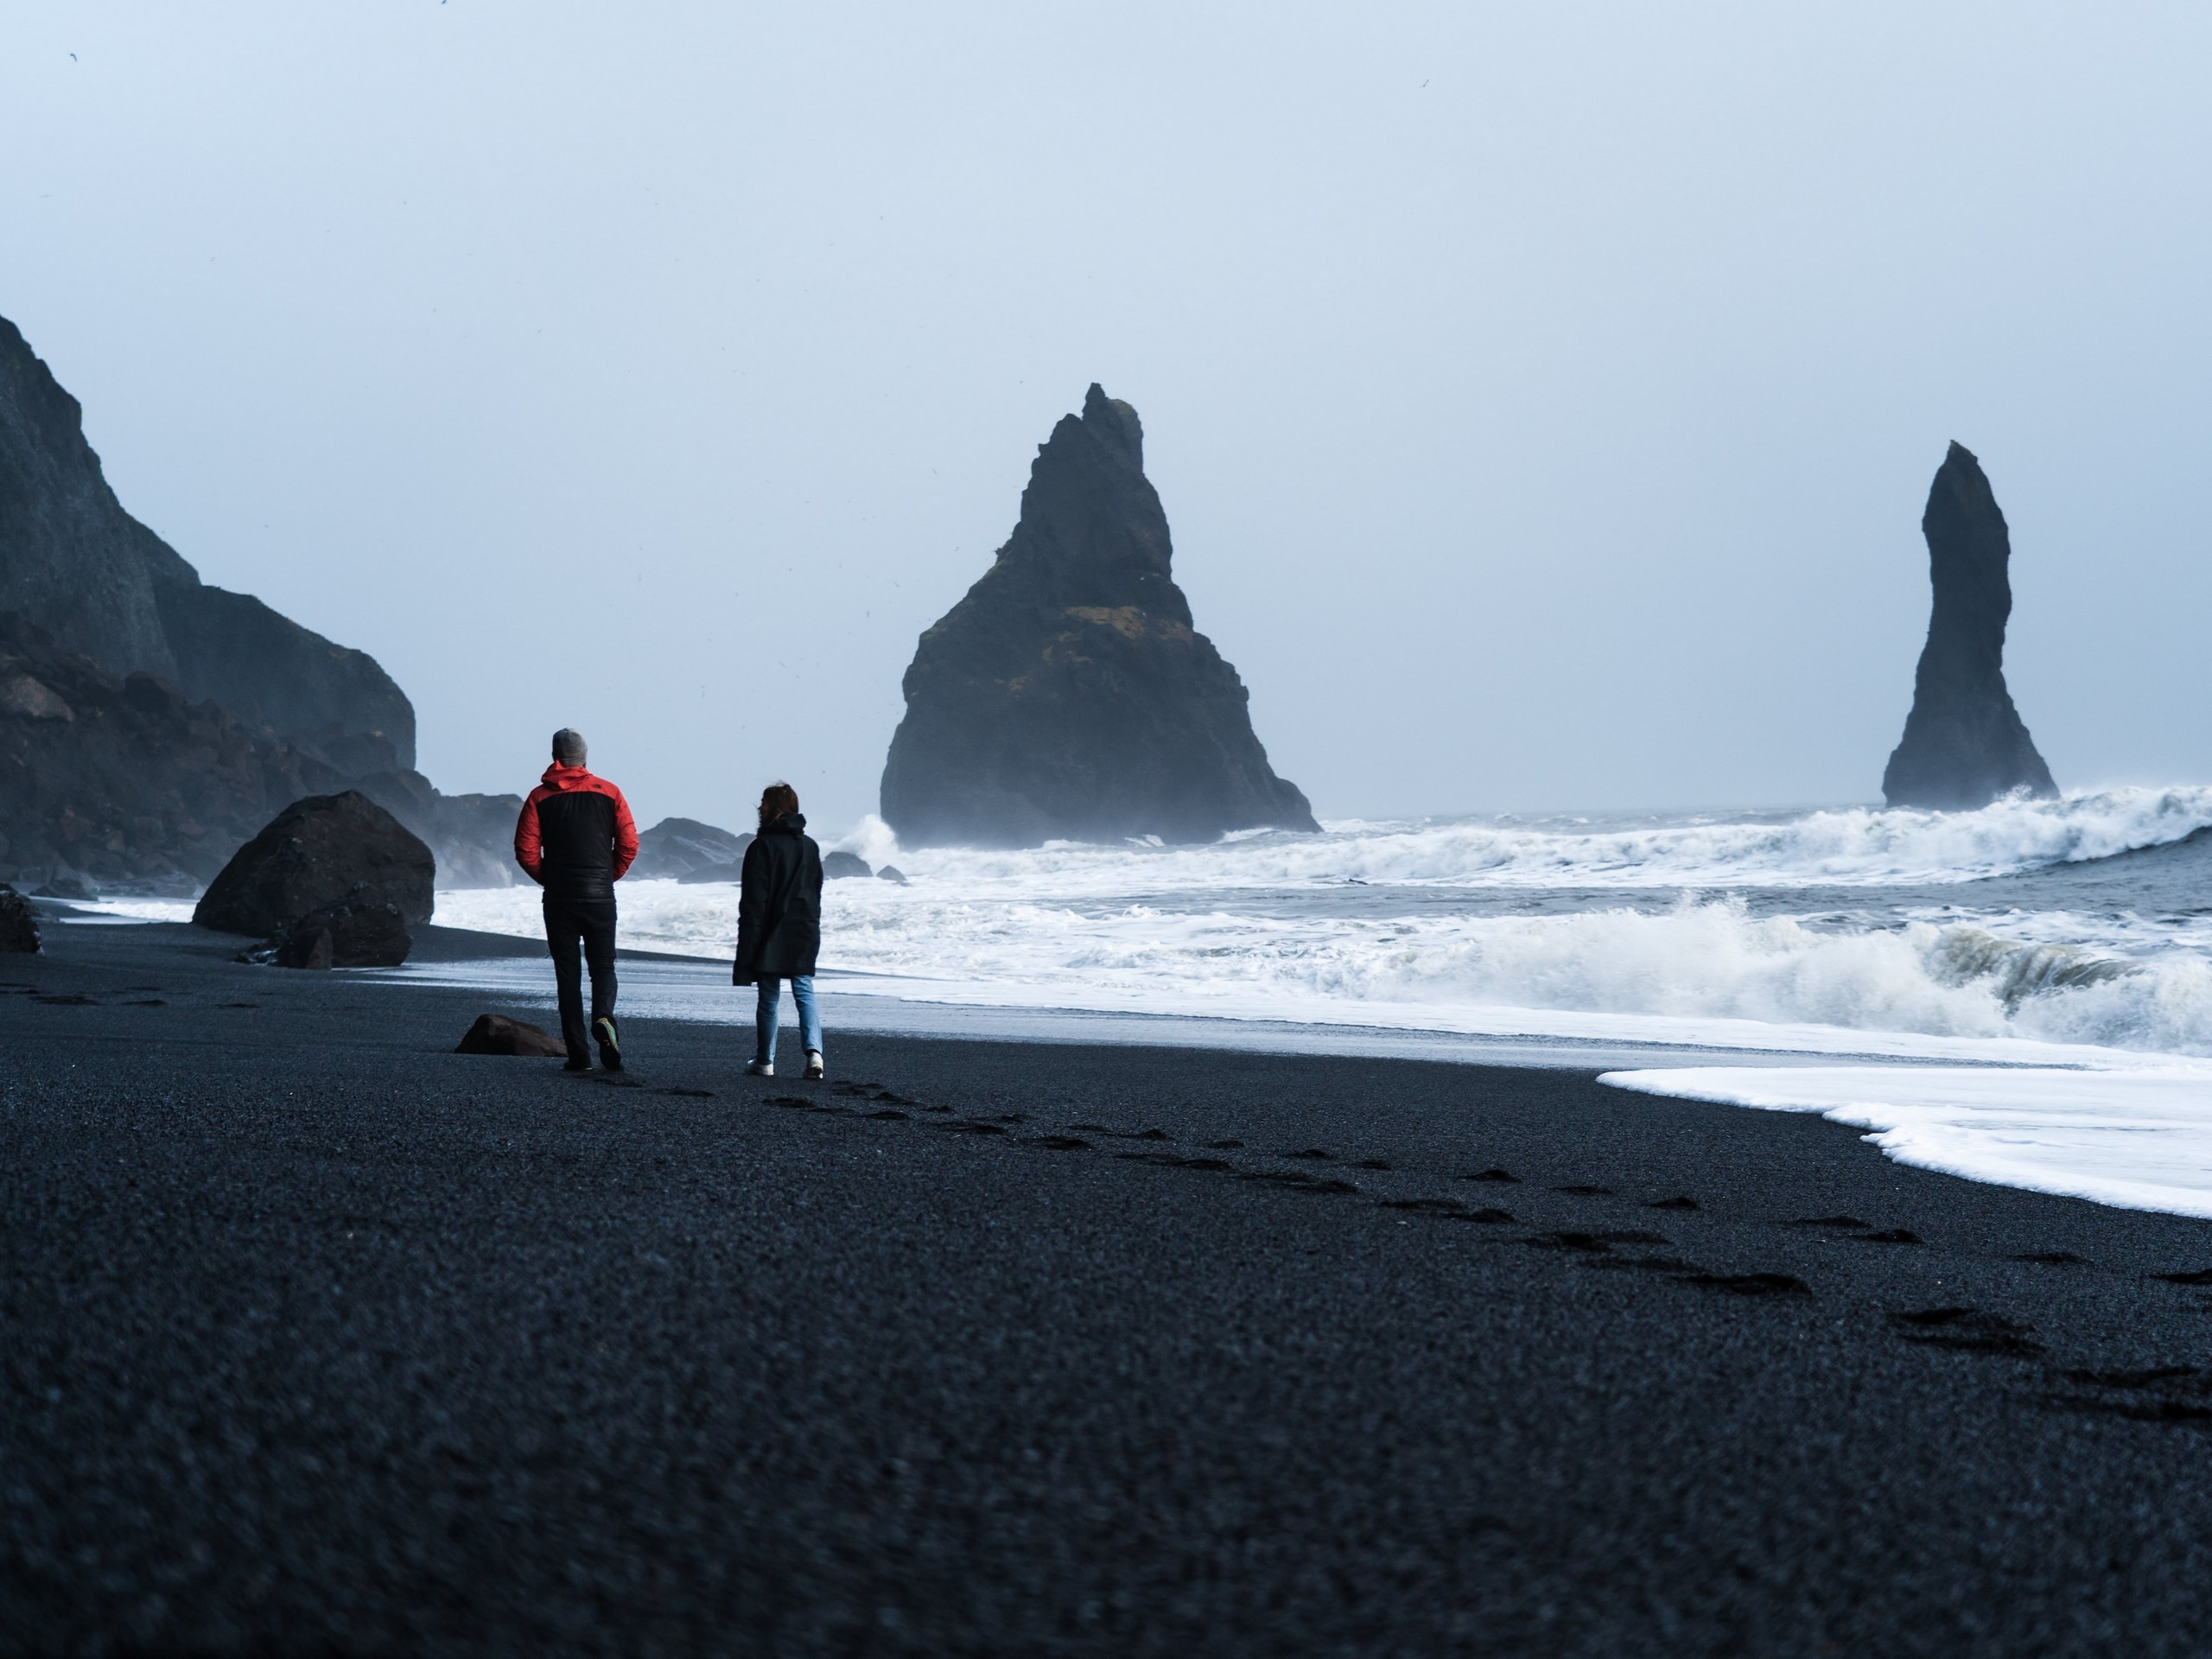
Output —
<point x="836" y="866"/>
<point x="363" y="930"/>
<point x="892" y="873"/>
<point x="1068" y="694"/>
<point x="684" y="850"/>
<point x="495" y="1033"/>
<point x="1964" y="743"/>
<point x="18" y="924"/>
<point x="320" y="851"/>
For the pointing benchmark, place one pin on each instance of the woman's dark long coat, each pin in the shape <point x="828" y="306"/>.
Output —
<point x="779" y="908"/>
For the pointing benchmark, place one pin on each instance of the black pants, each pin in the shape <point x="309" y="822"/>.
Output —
<point x="590" y="922"/>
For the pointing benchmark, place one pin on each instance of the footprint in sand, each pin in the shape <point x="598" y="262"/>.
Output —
<point x="1174" y="1160"/>
<point x="1296" y="1181"/>
<point x="1966" y="1331"/>
<point x="1750" y="1284"/>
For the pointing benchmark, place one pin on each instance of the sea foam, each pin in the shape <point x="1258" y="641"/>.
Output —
<point x="1304" y="927"/>
<point x="2141" y="1139"/>
<point x="1838" y="846"/>
<point x="1696" y="965"/>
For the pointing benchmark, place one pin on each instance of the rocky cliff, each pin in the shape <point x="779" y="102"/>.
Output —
<point x="1964" y="742"/>
<point x="125" y="781"/>
<point x="148" y="724"/>
<point x="1068" y="694"/>
<point x="75" y="563"/>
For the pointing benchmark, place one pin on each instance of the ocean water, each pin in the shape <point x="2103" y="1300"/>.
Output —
<point x="2022" y="993"/>
<point x="2083" y="923"/>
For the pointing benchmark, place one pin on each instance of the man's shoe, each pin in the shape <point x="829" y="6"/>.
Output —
<point x="814" y="1064"/>
<point x="574" y="1064"/>
<point x="760" y="1069"/>
<point x="610" y="1043"/>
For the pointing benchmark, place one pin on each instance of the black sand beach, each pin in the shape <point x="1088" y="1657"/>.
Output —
<point x="319" y="1338"/>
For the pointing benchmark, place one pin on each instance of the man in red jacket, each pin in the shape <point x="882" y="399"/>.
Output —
<point x="575" y="839"/>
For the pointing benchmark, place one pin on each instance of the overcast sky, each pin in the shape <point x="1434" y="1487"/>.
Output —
<point x="1543" y="398"/>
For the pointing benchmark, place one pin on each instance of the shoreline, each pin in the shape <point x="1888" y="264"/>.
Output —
<point x="2132" y="1130"/>
<point x="705" y="996"/>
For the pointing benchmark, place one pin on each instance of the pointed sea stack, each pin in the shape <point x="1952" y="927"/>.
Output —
<point x="1067" y="696"/>
<point x="1964" y="743"/>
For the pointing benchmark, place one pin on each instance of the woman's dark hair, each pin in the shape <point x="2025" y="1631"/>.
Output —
<point x="778" y="801"/>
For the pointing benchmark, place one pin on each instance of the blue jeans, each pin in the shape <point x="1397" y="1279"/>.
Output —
<point x="764" y="1017"/>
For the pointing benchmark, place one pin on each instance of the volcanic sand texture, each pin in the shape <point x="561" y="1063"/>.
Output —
<point x="318" y="1337"/>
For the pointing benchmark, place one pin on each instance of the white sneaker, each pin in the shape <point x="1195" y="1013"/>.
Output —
<point x="814" y="1064"/>
<point x="760" y="1069"/>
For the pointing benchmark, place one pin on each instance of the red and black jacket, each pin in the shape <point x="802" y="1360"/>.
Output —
<point x="575" y="837"/>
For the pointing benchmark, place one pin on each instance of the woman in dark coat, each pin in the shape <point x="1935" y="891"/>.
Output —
<point x="779" y="925"/>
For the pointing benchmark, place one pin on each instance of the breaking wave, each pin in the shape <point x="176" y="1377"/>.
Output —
<point x="1455" y="925"/>
<point x="1698" y="965"/>
<point x="1849" y="846"/>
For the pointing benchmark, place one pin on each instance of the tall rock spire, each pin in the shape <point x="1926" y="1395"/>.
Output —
<point x="1964" y="743"/>
<point x="1067" y="696"/>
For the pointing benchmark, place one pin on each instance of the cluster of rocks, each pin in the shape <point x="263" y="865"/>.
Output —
<point x="684" y="850"/>
<point x="837" y="867"/>
<point x="331" y="881"/>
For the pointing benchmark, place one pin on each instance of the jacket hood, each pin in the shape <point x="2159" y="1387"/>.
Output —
<point x="560" y="777"/>
<point x="793" y="822"/>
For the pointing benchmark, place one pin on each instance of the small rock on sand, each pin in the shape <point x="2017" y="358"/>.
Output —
<point x="495" y="1033"/>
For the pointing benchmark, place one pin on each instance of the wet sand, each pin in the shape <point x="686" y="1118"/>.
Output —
<point x="317" y="1338"/>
